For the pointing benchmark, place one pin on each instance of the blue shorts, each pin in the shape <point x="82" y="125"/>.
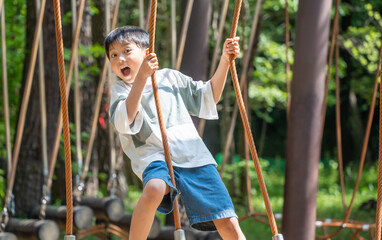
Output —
<point x="201" y="190"/>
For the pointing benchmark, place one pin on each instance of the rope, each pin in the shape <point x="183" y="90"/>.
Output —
<point x="77" y="99"/>
<point x="173" y="33"/>
<point x="5" y="92"/>
<point x="183" y="35"/>
<point x="1" y="5"/>
<point x="24" y="106"/>
<point x="41" y="78"/>
<point x="97" y="105"/>
<point x="338" y="123"/>
<point x="243" y="80"/>
<point x="65" y="117"/>
<point x="378" y="222"/>
<point x="247" y="127"/>
<point x="56" y="142"/>
<point x="141" y="14"/>
<point x="159" y="111"/>
<point x="112" y="182"/>
<point x="335" y="30"/>
<point x="147" y="23"/>
<point x="367" y="135"/>
<point x="287" y="65"/>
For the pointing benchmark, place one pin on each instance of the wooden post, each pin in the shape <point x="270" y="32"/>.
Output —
<point x="33" y="229"/>
<point x="109" y="208"/>
<point x="82" y="216"/>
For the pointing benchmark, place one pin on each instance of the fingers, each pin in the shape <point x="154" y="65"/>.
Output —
<point x="152" y="61"/>
<point x="232" y="46"/>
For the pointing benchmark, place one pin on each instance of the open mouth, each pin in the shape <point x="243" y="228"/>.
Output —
<point x="125" y="71"/>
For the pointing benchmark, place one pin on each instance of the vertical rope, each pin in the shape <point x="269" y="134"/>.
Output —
<point x="65" y="117"/>
<point x="366" y="137"/>
<point x="183" y="35"/>
<point x="159" y="111"/>
<point x="334" y="30"/>
<point x="56" y="142"/>
<point x="247" y="127"/>
<point x="287" y="65"/>
<point x="1" y="5"/>
<point x="24" y="105"/>
<point x="5" y="93"/>
<point x="77" y="98"/>
<point x="379" y="197"/>
<point x="97" y="105"/>
<point x="243" y="80"/>
<point x="338" y="125"/>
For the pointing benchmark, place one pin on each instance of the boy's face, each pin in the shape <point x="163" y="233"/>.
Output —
<point x="126" y="59"/>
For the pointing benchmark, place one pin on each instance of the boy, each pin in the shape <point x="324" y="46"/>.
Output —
<point x="133" y="114"/>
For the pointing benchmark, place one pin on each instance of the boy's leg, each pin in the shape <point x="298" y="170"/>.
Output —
<point x="144" y="212"/>
<point x="229" y="228"/>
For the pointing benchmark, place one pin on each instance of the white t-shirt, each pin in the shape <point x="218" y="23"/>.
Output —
<point x="179" y="96"/>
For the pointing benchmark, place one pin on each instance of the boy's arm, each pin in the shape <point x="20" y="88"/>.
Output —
<point x="231" y="47"/>
<point x="148" y="67"/>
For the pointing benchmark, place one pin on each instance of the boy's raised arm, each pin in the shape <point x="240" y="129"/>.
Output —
<point x="147" y="68"/>
<point x="231" y="47"/>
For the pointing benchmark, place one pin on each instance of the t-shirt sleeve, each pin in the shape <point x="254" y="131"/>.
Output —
<point x="197" y="97"/>
<point x="118" y="112"/>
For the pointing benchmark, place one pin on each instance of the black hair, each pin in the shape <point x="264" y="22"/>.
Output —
<point x="127" y="33"/>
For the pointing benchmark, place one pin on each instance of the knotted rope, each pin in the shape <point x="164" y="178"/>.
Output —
<point x="65" y="118"/>
<point x="159" y="111"/>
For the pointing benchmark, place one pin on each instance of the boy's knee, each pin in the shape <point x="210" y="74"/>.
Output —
<point x="229" y="228"/>
<point x="155" y="189"/>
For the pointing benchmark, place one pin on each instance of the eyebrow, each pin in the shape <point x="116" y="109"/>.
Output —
<point x="123" y="43"/>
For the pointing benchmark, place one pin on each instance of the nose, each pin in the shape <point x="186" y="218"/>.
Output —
<point x="121" y="58"/>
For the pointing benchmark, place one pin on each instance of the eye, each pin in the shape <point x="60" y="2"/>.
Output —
<point x="127" y="51"/>
<point x="113" y="55"/>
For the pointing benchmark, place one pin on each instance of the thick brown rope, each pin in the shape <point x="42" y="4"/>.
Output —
<point x="243" y="81"/>
<point x="24" y="105"/>
<point x="378" y="222"/>
<point x="159" y="111"/>
<point x="247" y="128"/>
<point x="65" y="117"/>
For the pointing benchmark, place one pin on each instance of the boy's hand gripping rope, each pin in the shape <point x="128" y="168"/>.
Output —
<point x="179" y="233"/>
<point x="248" y="133"/>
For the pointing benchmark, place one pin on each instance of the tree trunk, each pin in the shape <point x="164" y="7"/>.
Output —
<point x="304" y="129"/>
